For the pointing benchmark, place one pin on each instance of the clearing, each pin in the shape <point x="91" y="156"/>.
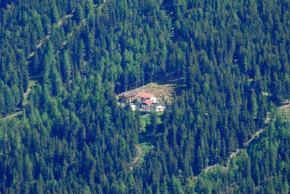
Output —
<point x="25" y="100"/>
<point x="26" y="94"/>
<point x="164" y="89"/>
<point x="147" y="141"/>
<point x="143" y="150"/>
<point x="12" y="115"/>
<point x="137" y="157"/>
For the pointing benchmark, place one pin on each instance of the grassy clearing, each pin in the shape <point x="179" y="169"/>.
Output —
<point x="164" y="89"/>
<point x="147" y="140"/>
<point x="159" y="114"/>
<point x="146" y="120"/>
<point x="143" y="150"/>
<point x="145" y="147"/>
<point x="31" y="83"/>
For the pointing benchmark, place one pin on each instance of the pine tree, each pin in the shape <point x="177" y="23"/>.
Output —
<point x="79" y="14"/>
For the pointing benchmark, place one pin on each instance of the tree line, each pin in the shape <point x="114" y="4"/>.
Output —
<point x="233" y="58"/>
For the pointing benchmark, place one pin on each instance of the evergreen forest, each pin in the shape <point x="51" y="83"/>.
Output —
<point x="62" y="63"/>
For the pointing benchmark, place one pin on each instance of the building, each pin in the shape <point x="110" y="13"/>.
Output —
<point x="148" y="105"/>
<point x="127" y="98"/>
<point x="146" y="97"/>
<point x="285" y="102"/>
<point x="141" y="100"/>
<point x="159" y="108"/>
<point x="133" y="107"/>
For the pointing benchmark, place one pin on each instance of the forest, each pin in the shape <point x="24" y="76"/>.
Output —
<point x="63" y="62"/>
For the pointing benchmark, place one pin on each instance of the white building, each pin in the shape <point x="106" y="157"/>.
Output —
<point x="133" y="107"/>
<point x="159" y="108"/>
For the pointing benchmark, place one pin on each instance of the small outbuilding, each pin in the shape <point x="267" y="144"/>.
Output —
<point x="159" y="107"/>
<point x="128" y="98"/>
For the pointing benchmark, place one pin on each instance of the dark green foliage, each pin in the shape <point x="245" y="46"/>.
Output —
<point x="72" y="137"/>
<point x="79" y="14"/>
<point x="263" y="168"/>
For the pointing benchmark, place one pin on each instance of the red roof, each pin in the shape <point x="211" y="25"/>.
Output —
<point x="144" y="95"/>
<point x="148" y="103"/>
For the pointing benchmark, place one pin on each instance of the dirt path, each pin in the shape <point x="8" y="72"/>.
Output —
<point x="237" y="151"/>
<point x="38" y="46"/>
<point x="256" y="135"/>
<point x="210" y="167"/>
<point x="67" y="38"/>
<point x="284" y="106"/>
<point x="137" y="157"/>
<point x="28" y="91"/>
<point x="47" y="37"/>
<point x="31" y="82"/>
<point x="13" y="115"/>
<point x="25" y="101"/>
<point x="60" y="22"/>
<point x="247" y="143"/>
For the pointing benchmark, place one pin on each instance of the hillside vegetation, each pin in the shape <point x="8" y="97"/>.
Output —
<point x="63" y="62"/>
<point x="262" y="168"/>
